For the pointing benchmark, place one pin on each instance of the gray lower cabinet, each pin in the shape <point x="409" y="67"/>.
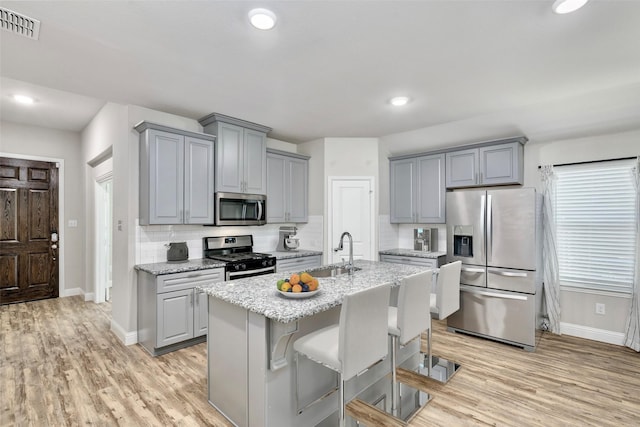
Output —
<point x="417" y="189"/>
<point x="241" y="165"/>
<point x="172" y="314"/>
<point x="287" y="187"/>
<point x="176" y="176"/>
<point x="422" y="262"/>
<point x="299" y="264"/>
<point x="497" y="164"/>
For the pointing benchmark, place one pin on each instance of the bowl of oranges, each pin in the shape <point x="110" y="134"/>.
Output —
<point x="298" y="285"/>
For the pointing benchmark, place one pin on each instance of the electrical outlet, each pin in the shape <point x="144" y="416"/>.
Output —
<point x="600" y="308"/>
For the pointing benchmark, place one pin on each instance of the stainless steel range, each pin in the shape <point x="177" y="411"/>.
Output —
<point x="237" y="253"/>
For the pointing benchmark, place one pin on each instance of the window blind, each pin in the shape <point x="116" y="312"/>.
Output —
<point x="595" y="222"/>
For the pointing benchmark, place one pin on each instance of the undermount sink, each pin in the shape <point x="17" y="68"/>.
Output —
<point x="332" y="271"/>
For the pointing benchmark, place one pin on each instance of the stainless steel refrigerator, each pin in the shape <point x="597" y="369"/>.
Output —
<point x="497" y="236"/>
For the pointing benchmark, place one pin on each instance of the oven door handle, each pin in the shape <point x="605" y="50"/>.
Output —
<point x="244" y="272"/>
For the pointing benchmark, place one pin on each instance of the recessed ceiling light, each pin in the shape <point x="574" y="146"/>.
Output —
<point x="262" y="19"/>
<point x="23" y="99"/>
<point x="567" y="6"/>
<point x="399" y="101"/>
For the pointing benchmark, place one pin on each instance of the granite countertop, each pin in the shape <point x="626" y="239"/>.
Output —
<point x="259" y="294"/>
<point x="160" y="268"/>
<point x="413" y="253"/>
<point x="294" y="254"/>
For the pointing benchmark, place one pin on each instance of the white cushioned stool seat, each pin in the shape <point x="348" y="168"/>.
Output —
<point x="321" y="347"/>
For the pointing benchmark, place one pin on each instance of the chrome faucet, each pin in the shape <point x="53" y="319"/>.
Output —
<point x="340" y="247"/>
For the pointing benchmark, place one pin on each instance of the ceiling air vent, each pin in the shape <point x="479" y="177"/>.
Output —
<point x="19" y="24"/>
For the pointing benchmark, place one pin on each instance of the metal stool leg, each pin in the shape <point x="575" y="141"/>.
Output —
<point x="394" y="380"/>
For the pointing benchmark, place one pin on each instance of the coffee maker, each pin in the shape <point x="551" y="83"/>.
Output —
<point x="425" y="239"/>
<point x="286" y="241"/>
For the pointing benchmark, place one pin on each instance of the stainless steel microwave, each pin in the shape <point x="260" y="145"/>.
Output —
<point x="240" y="209"/>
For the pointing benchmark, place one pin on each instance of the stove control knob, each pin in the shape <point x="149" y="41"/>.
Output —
<point x="237" y="267"/>
<point x="272" y="262"/>
<point x="243" y="266"/>
<point x="265" y="263"/>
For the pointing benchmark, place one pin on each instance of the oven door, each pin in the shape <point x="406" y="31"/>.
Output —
<point x="235" y="275"/>
<point x="240" y="209"/>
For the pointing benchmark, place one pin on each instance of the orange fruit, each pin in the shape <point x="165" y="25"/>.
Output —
<point x="305" y="277"/>
<point x="294" y="279"/>
<point x="296" y="288"/>
<point x="313" y="284"/>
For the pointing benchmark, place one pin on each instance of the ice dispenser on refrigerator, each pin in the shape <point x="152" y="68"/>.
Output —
<point x="463" y="240"/>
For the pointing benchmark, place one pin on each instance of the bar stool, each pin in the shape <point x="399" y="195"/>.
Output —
<point x="358" y="341"/>
<point x="444" y="302"/>
<point x="407" y="321"/>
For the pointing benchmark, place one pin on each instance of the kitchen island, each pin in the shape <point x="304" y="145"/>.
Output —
<point x="252" y="378"/>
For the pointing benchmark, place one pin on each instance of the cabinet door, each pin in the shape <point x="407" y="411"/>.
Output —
<point x="462" y="168"/>
<point x="298" y="190"/>
<point x="175" y="317"/>
<point x="255" y="162"/>
<point x="402" y="193"/>
<point x="200" y="313"/>
<point x="298" y="264"/>
<point x="501" y="164"/>
<point x="276" y="188"/>
<point x="198" y="185"/>
<point x="229" y="158"/>
<point x="422" y="262"/>
<point x="430" y="188"/>
<point x="166" y="177"/>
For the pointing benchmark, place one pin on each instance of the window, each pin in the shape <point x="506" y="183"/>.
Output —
<point x="595" y="214"/>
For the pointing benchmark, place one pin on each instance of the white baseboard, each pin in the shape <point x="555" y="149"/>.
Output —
<point x="89" y="297"/>
<point x="127" y="338"/>
<point x="590" y="333"/>
<point x="72" y="292"/>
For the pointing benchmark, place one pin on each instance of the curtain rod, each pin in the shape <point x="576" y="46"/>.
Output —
<point x="592" y="161"/>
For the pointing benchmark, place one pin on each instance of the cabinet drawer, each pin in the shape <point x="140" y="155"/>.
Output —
<point x="423" y="262"/>
<point x="188" y="280"/>
<point x="298" y="264"/>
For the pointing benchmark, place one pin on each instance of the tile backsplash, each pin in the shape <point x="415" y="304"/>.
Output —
<point x="151" y="239"/>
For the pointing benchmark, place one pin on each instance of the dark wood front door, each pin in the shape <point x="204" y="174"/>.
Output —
<point x="28" y="230"/>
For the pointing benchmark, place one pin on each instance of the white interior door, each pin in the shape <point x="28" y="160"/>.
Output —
<point x="104" y="215"/>
<point x="351" y="208"/>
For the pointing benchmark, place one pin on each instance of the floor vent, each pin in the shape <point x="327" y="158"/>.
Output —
<point x="19" y="24"/>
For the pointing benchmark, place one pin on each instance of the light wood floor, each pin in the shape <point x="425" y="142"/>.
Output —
<point x="60" y="365"/>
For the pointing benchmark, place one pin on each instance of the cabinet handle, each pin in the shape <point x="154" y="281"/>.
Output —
<point x="191" y="299"/>
<point x="480" y="177"/>
<point x="181" y="215"/>
<point x="476" y="177"/>
<point x="187" y="216"/>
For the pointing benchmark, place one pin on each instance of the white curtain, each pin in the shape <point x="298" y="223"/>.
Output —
<point x="549" y="254"/>
<point x="632" y="335"/>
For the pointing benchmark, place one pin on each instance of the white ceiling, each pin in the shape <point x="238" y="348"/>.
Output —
<point x="329" y="67"/>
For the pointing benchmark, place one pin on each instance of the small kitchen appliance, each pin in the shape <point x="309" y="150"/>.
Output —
<point x="177" y="252"/>
<point x="286" y="241"/>
<point x="425" y="239"/>
<point x="237" y="254"/>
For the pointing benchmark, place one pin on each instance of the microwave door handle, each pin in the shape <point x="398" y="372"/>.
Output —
<point x="259" y="211"/>
<point x="244" y="211"/>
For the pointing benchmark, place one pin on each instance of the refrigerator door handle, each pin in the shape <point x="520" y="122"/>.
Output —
<point x="483" y="210"/>
<point x="497" y="295"/>
<point x="508" y="273"/>
<point x="489" y="229"/>
<point x="473" y="270"/>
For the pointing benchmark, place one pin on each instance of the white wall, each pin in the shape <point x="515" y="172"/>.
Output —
<point x="34" y="142"/>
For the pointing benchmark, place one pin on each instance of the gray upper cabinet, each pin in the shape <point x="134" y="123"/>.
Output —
<point x="240" y="154"/>
<point x="495" y="164"/>
<point x="417" y="189"/>
<point x="176" y="176"/>
<point x="287" y="187"/>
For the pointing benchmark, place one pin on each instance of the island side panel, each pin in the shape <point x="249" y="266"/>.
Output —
<point x="227" y="355"/>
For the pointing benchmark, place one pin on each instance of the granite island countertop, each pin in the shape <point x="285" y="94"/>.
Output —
<point x="413" y="253"/>
<point x="259" y="294"/>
